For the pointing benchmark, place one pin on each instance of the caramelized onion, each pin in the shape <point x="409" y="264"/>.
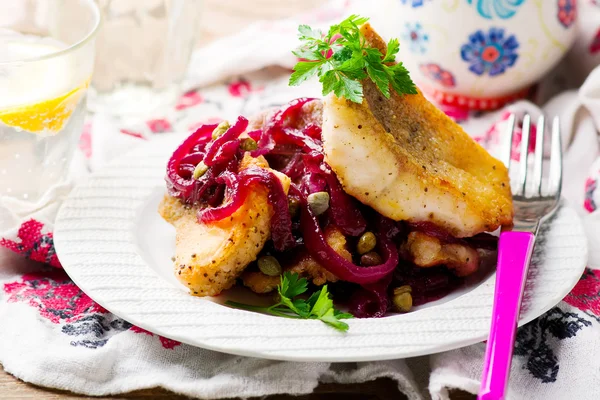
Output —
<point x="177" y="185"/>
<point x="317" y="247"/>
<point x="238" y="188"/>
<point x="371" y="300"/>
<point x="221" y="148"/>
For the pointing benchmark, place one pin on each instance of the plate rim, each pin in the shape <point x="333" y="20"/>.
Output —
<point x="158" y="145"/>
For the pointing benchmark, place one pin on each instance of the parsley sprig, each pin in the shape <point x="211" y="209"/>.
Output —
<point x="318" y="306"/>
<point x="341" y="59"/>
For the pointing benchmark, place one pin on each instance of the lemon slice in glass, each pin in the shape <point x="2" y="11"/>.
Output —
<point x="47" y="116"/>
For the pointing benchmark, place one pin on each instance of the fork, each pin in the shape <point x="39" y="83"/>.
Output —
<point x="533" y="206"/>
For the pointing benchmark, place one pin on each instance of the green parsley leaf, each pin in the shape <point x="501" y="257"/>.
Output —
<point x="377" y="72"/>
<point x="292" y="285"/>
<point x="338" y="83"/>
<point x="323" y="303"/>
<point x="330" y="319"/>
<point x="342" y="55"/>
<point x="393" y="47"/>
<point x="348" y="27"/>
<point x="349" y="88"/>
<point x="354" y="65"/>
<point x="306" y="32"/>
<point x="401" y="81"/>
<point x="308" y="54"/>
<point x="342" y="315"/>
<point x="318" y="306"/>
<point x="350" y="61"/>
<point x="304" y="71"/>
<point x="313" y="299"/>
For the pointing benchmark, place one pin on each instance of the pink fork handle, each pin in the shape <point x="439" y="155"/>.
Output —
<point x="514" y="254"/>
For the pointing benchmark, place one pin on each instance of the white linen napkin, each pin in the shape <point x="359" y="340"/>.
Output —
<point x="54" y="335"/>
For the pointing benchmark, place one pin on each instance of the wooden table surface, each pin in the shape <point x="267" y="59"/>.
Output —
<point x="221" y="18"/>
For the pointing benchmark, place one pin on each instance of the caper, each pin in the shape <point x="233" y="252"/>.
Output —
<point x="402" y="298"/>
<point x="200" y="170"/>
<point x="248" y="144"/>
<point x="371" y="258"/>
<point x="276" y="297"/>
<point x="220" y="129"/>
<point x="366" y="243"/>
<point x="269" y="265"/>
<point x="318" y="202"/>
<point x="293" y="206"/>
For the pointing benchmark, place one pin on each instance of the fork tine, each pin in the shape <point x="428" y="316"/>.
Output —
<point x="539" y="155"/>
<point x="523" y="157"/>
<point x="510" y="130"/>
<point x="555" y="184"/>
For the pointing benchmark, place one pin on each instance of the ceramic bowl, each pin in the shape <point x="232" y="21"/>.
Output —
<point x="481" y="54"/>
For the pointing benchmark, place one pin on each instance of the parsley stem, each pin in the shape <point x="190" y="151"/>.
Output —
<point x="268" y="310"/>
<point x="246" y="306"/>
<point x="284" y="315"/>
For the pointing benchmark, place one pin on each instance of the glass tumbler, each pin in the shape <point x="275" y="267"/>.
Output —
<point x="142" y="54"/>
<point x="46" y="63"/>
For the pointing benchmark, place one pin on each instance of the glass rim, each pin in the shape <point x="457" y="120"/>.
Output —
<point x="82" y="42"/>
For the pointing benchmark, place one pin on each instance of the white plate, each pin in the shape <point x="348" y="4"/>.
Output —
<point x="117" y="249"/>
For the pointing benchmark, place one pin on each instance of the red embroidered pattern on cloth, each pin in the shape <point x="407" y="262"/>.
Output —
<point x="208" y="121"/>
<point x="189" y="99"/>
<point x="165" y="342"/>
<point x="33" y="244"/>
<point x="60" y="301"/>
<point x="132" y="133"/>
<point x="493" y="135"/>
<point x="589" y="203"/>
<point x="586" y="294"/>
<point x="159" y="125"/>
<point x="55" y="296"/>
<point x="242" y="88"/>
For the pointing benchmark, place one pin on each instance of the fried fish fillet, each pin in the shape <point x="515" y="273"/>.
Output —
<point x="427" y="251"/>
<point x="210" y="257"/>
<point x="409" y="161"/>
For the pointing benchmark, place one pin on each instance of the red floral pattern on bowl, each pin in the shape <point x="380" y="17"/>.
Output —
<point x="472" y="103"/>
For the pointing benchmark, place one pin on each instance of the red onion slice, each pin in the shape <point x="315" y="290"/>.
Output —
<point x="371" y="300"/>
<point x="226" y="152"/>
<point x="177" y="185"/>
<point x="317" y="247"/>
<point x="231" y="134"/>
<point x="238" y="188"/>
<point x="267" y="139"/>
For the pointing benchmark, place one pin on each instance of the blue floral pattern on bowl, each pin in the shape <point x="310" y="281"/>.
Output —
<point x="416" y="37"/>
<point x="414" y="3"/>
<point x="490" y="53"/>
<point x="567" y="12"/>
<point x="503" y="9"/>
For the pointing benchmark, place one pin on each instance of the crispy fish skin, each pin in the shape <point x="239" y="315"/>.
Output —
<point x="209" y="257"/>
<point x="409" y="161"/>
